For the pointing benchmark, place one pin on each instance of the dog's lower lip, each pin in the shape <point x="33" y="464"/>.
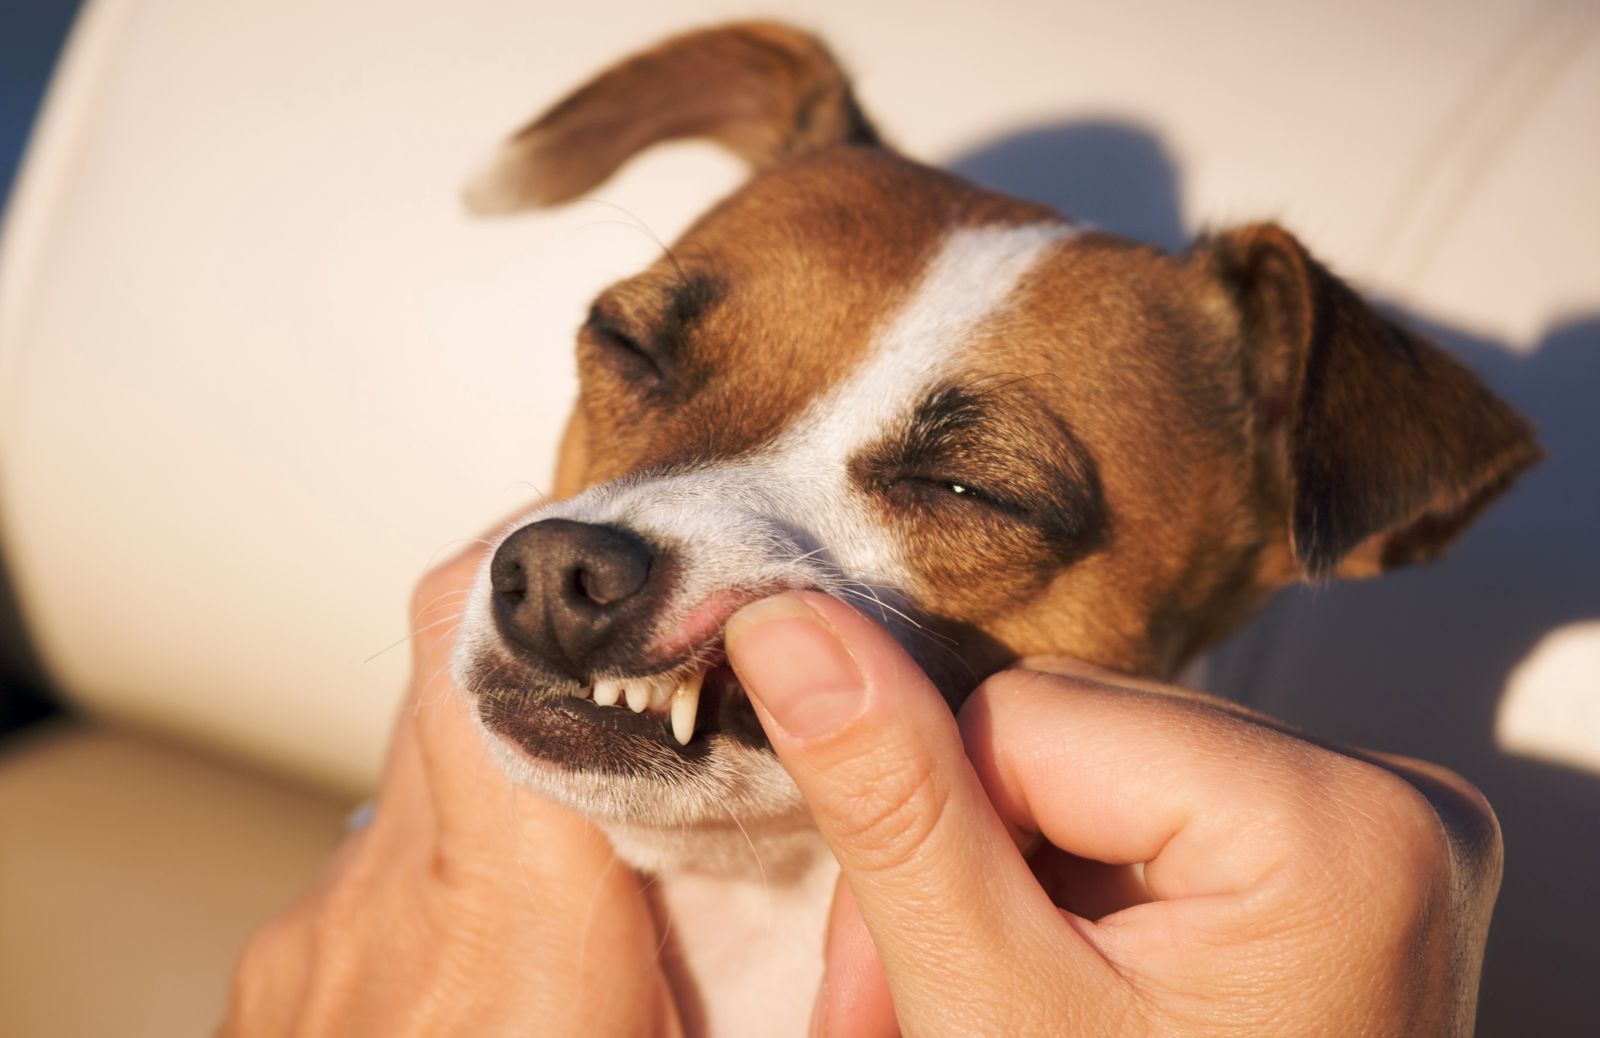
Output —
<point x="552" y="722"/>
<point x="721" y="695"/>
<point x="674" y="690"/>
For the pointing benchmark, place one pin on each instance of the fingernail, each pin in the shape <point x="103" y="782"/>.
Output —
<point x="793" y="664"/>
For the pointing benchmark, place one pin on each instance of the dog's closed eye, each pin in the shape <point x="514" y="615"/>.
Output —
<point x="622" y="348"/>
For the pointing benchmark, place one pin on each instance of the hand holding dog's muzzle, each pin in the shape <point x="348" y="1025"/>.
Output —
<point x="467" y="906"/>
<point x="1191" y="868"/>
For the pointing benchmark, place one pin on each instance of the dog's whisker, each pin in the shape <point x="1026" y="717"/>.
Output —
<point x="761" y="866"/>
<point x="451" y="544"/>
<point x="532" y="489"/>
<point x="639" y="225"/>
<point x="427" y="686"/>
<point x="423" y="609"/>
<point x="420" y="630"/>
<point x="587" y="929"/>
<point x="513" y="810"/>
<point x="866" y="594"/>
<point x="666" y="918"/>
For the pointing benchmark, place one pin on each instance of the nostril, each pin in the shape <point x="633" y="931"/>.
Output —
<point x="606" y="580"/>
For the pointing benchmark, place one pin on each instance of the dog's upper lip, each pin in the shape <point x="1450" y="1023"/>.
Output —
<point x="704" y="621"/>
<point x="668" y="683"/>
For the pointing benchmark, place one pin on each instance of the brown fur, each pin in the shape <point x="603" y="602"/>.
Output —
<point x="763" y="90"/>
<point x="1236" y="418"/>
<point x="1192" y="432"/>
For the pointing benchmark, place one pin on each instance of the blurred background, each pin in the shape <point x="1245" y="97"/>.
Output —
<point x="257" y="369"/>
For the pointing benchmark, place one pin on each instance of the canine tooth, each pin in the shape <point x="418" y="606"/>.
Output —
<point x="685" y="705"/>
<point x="606" y="693"/>
<point x="638" y="694"/>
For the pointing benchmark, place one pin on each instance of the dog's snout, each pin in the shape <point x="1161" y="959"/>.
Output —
<point x="567" y="591"/>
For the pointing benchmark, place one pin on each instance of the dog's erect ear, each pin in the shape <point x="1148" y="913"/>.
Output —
<point x="765" y="91"/>
<point x="1388" y="445"/>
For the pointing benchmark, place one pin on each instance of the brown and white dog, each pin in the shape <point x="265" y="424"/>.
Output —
<point x="999" y="431"/>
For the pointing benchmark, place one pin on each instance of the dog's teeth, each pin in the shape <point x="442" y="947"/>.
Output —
<point x="661" y="689"/>
<point x="685" y="705"/>
<point x="638" y="694"/>
<point x="606" y="693"/>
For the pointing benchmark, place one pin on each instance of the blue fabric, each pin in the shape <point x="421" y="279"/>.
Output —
<point x="31" y="35"/>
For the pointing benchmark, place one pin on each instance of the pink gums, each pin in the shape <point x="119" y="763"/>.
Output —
<point x="704" y="622"/>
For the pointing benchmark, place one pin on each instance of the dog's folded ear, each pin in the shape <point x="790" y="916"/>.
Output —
<point x="765" y="91"/>
<point x="1387" y="445"/>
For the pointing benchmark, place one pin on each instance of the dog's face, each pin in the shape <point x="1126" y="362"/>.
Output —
<point x="1000" y="432"/>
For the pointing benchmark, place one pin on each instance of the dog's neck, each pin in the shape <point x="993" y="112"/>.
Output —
<point x="744" y="952"/>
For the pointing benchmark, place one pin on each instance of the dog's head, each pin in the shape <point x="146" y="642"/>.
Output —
<point x="999" y="431"/>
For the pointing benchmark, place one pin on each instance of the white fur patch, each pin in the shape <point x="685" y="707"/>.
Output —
<point x="971" y="277"/>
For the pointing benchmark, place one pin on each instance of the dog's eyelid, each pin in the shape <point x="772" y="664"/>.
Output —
<point x="962" y="489"/>
<point x="604" y="318"/>
<point x="614" y="337"/>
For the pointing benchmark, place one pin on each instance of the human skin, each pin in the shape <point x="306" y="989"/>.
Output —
<point x="1083" y="853"/>
<point x="1283" y="888"/>
<point x="469" y="906"/>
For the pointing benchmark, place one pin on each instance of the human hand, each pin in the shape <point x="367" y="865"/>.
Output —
<point x="1090" y="854"/>
<point x="468" y="906"/>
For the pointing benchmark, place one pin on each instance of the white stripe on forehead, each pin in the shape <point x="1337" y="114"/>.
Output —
<point x="972" y="276"/>
<point x="789" y="514"/>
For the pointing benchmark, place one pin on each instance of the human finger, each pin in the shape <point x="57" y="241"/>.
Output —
<point x="944" y="891"/>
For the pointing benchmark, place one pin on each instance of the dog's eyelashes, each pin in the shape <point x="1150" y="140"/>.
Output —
<point x="952" y="487"/>
<point x="958" y="488"/>
<point x="621" y="342"/>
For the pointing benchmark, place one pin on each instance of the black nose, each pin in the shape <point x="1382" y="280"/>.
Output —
<point x="573" y="594"/>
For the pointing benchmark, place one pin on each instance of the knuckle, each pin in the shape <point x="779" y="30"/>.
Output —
<point x="1468" y="821"/>
<point x="891" y="813"/>
<point x="1404" y="820"/>
<point x="1395" y="849"/>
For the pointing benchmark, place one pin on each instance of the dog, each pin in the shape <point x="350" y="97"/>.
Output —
<point x="998" y="431"/>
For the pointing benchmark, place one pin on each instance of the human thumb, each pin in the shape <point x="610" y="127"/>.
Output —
<point x="876" y="753"/>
